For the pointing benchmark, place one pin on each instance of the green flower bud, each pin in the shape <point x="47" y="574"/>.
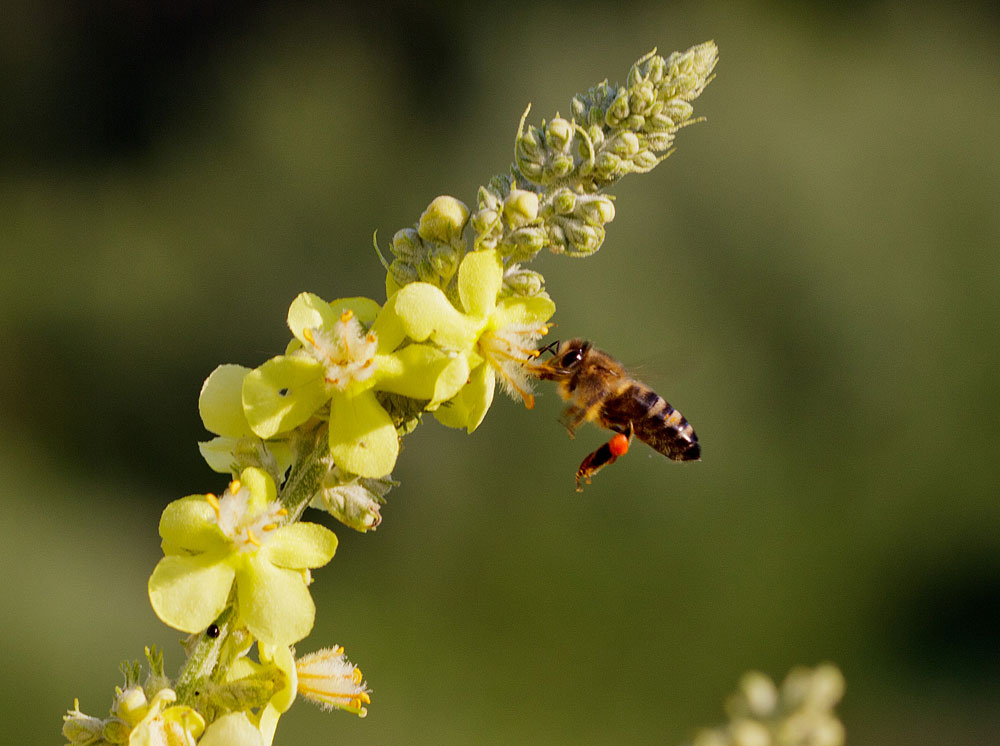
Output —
<point x="644" y="161"/>
<point x="609" y="166"/>
<point x="354" y="501"/>
<point x="116" y="731"/>
<point x="655" y="69"/>
<point x="636" y="122"/>
<point x="641" y="97"/>
<point x="444" y="258"/>
<point x="403" y="272"/>
<point x="530" y="238"/>
<point x="485" y="220"/>
<point x="81" y="729"/>
<point x="596" y="134"/>
<point x="427" y="273"/>
<point x="596" y="209"/>
<point x="443" y="220"/>
<point x="559" y="135"/>
<point x="678" y="110"/>
<point x="529" y="143"/>
<point x="624" y="144"/>
<point x="618" y="111"/>
<point x="659" y="122"/>
<point x="523" y="282"/>
<point x="584" y="239"/>
<point x="520" y="207"/>
<point x="562" y="165"/>
<point x="406" y="244"/>
<point x="564" y="201"/>
<point x="531" y="170"/>
<point x="659" y="141"/>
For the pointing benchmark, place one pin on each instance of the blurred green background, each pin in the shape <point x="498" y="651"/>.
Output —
<point x="813" y="278"/>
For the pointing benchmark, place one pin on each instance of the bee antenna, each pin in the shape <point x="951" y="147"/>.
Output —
<point x="550" y="347"/>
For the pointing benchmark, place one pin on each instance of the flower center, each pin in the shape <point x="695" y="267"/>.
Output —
<point x="346" y="351"/>
<point x="248" y="531"/>
<point x="510" y="351"/>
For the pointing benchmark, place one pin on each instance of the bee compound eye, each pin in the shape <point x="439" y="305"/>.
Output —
<point x="572" y="357"/>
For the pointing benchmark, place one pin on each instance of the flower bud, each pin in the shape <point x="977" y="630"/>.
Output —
<point x="563" y="201"/>
<point x="596" y="134"/>
<point x="402" y="272"/>
<point x="532" y="170"/>
<point x="559" y="135"/>
<point x="427" y="273"/>
<point x="484" y="220"/>
<point x="641" y="97"/>
<point x="655" y="69"/>
<point x="659" y="122"/>
<point x="520" y="207"/>
<point x="406" y="244"/>
<point x="130" y="705"/>
<point x="79" y="728"/>
<point x="562" y="165"/>
<point x="659" y="141"/>
<point x="618" y="111"/>
<point x="524" y="282"/>
<point x="443" y="220"/>
<point x="678" y="110"/>
<point x="529" y="143"/>
<point x="596" y="209"/>
<point x="609" y="166"/>
<point x="529" y="240"/>
<point x="584" y="239"/>
<point x="644" y="161"/>
<point x="356" y="503"/>
<point x="624" y="144"/>
<point x="444" y="258"/>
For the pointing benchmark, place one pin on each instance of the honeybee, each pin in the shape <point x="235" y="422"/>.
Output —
<point x="600" y="390"/>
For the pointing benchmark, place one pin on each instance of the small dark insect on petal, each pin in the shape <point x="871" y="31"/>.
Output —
<point x="213" y="631"/>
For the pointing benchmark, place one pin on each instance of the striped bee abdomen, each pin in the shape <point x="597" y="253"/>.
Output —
<point x="653" y="421"/>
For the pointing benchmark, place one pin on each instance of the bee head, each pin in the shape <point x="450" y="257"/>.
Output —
<point x="570" y="354"/>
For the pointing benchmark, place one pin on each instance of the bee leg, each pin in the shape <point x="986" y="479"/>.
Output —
<point x="606" y="455"/>
<point x="571" y="418"/>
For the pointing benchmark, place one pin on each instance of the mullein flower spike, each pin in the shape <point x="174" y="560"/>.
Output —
<point x="322" y="422"/>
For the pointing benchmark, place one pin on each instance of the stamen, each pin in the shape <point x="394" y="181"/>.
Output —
<point x="234" y="486"/>
<point x="214" y="502"/>
<point x="252" y="538"/>
<point x="347" y="315"/>
<point x="308" y="334"/>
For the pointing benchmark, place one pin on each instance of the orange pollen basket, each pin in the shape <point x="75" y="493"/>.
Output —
<point x="618" y="445"/>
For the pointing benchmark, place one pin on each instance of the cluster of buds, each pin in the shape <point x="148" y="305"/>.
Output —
<point x="552" y="197"/>
<point x="431" y="250"/>
<point x="798" y="713"/>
